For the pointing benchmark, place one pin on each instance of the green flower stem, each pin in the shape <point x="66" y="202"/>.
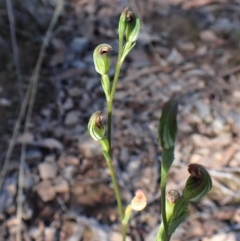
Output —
<point x="113" y="89"/>
<point x="115" y="184"/>
<point x="167" y="157"/>
<point x="124" y="231"/>
<point x="163" y="201"/>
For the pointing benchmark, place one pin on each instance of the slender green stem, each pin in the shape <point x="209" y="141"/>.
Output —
<point x="167" y="159"/>
<point x="109" y="123"/>
<point x="163" y="200"/>
<point x="113" y="89"/>
<point x="115" y="185"/>
<point x="109" y="109"/>
<point x="109" y="136"/>
<point x="124" y="232"/>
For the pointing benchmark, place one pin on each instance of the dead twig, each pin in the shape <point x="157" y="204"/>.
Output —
<point x="231" y="71"/>
<point x="15" y="47"/>
<point x="34" y="80"/>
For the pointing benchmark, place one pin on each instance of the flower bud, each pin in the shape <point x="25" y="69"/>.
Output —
<point x="139" y="202"/>
<point x="132" y="27"/>
<point x="95" y="127"/>
<point x="101" y="58"/>
<point x="122" y="24"/>
<point x="198" y="184"/>
<point x="167" y="130"/>
<point x="179" y="212"/>
<point x="172" y="197"/>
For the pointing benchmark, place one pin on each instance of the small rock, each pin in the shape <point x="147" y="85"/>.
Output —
<point x="218" y="125"/>
<point x="235" y="160"/>
<point x="175" y="57"/>
<point x="115" y="236"/>
<point x="133" y="165"/>
<point x="79" y="44"/>
<point x="203" y="109"/>
<point x="50" y="158"/>
<point x="75" y="92"/>
<point x="91" y="83"/>
<point x="72" y="160"/>
<point x="45" y="190"/>
<point x="25" y="138"/>
<point x="33" y="155"/>
<point x="27" y="212"/>
<point x="208" y="36"/>
<point x="196" y="158"/>
<point x="49" y="233"/>
<point x="5" y="102"/>
<point x="72" y="118"/>
<point x="61" y="185"/>
<point x="223" y="26"/>
<point x="68" y="172"/>
<point x="35" y="232"/>
<point x="51" y="143"/>
<point x="195" y="72"/>
<point x="139" y="58"/>
<point x="230" y="236"/>
<point x="68" y="104"/>
<point x="58" y="131"/>
<point x="124" y="155"/>
<point x="46" y="112"/>
<point x="89" y="147"/>
<point x="47" y="170"/>
<point x="186" y="46"/>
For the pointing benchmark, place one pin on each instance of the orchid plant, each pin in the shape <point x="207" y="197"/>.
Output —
<point x="174" y="207"/>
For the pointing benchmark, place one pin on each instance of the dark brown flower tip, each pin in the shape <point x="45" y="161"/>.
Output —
<point x="98" y="120"/>
<point x="195" y="170"/>
<point x="130" y="16"/>
<point x="105" y="49"/>
<point x="173" y="196"/>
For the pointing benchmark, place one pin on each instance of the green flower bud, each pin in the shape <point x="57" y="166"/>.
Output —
<point x="132" y="27"/>
<point x="176" y="212"/>
<point x="101" y="58"/>
<point x="179" y="213"/>
<point x="95" y="127"/>
<point x="198" y="184"/>
<point x="167" y="130"/>
<point x="122" y="24"/>
<point x="172" y="197"/>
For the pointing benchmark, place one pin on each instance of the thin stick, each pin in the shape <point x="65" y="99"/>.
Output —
<point x="34" y="81"/>
<point x="15" y="47"/>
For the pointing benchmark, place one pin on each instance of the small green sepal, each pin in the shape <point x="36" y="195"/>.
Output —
<point x="101" y="58"/>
